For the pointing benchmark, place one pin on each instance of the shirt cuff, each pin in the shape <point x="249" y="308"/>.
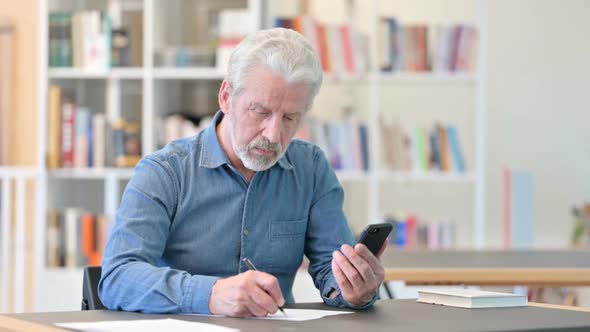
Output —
<point x="339" y="301"/>
<point x="197" y="294"/>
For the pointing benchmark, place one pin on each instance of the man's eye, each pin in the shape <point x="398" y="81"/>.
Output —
<point x="261" y="112"/>
<point x="289" y="118"/>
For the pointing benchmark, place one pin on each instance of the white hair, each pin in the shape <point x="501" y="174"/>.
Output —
<point x="285" y="52"/>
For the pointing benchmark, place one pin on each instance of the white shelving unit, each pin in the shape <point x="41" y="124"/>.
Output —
<point x="65" y="292"/>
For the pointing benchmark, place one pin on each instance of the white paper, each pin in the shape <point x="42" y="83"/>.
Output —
<point x="145" y="325"/>
<point x="295" y="314"/>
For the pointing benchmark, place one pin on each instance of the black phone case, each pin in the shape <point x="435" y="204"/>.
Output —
<point x="374" y="235"/>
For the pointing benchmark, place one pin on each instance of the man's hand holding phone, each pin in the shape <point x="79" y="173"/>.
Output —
<point x="357" y="270"/>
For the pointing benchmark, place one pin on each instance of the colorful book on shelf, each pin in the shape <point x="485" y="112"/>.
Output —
<point x="420" y="48"/>
<point x="68" y="134"/>
<point x="75" y="238"/>
<point x="456" y="155"/>
<point x="519" y="209"/>
<point x="412" y="232"/>
<point x="341" y="48"/>
<point x="54" y="128"/>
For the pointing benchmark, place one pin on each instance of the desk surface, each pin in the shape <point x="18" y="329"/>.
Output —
<point x="513" y="267"/>
<point x="386" y="315"/>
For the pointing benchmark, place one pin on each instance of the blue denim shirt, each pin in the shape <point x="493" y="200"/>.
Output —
<point x="188" y="218"/>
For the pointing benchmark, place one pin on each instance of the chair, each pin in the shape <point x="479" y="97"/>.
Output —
<point x="90" y="299"/>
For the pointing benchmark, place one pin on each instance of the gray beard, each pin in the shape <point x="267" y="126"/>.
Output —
<point x="256" y="164"/>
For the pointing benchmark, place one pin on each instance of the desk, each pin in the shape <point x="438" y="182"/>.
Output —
<point x="489" y="268"/>
<point x="386" y="315"/>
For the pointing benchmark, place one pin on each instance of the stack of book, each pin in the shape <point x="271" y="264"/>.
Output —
<point x="88" y="40"/>
<point x="75" y="238"/>
<point x="345" y="143"/>
<point x="79" y="137"/>
<point x="434" y="149"/>
<point x="342" y="49"/>
<point x="419" y="48"/>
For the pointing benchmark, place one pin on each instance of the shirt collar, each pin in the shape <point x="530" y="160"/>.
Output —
<point x="212" y="155"/>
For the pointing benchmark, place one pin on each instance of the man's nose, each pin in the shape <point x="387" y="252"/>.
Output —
<point x="272" y="131"/>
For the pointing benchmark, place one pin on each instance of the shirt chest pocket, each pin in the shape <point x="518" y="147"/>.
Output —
<point x="287" y="245"/>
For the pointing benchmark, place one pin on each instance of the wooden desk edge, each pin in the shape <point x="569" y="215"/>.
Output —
<point x="17" y="325"/>
<point x="491" y="276"/>
<point x="559" y="306"/>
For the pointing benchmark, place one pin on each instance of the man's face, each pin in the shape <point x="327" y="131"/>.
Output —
<point x="264" y="117"/>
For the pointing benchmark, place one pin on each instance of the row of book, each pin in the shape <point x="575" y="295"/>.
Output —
<point x="422" y="149"/>
<point x="342" y="49"/>
<point x="419" y="48"/>
<point x="345" y="143"/>
<point x="75" y="238"/>
<point x="79" y="137"/>
<point x="88" y="39"/>
<point x="412" y="232"/>
<point x="180" y="125"/>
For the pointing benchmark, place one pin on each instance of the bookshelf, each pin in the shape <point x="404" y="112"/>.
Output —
<point x="159" y="89"/>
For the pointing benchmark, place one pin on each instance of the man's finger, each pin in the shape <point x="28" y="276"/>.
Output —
<point x="359" y="262"/>
<point x="263" y="299"/>
<point x="271" y="285"/>
<point x="368" y="256"/>
<point x="351" y="273"/>
<point x="255" y="309"/>
<point x="340" y="277"/>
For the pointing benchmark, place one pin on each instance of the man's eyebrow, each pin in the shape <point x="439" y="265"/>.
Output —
<point x="259" y="105"/>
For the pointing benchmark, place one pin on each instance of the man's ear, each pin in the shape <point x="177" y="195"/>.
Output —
<point x="224" y="97"/>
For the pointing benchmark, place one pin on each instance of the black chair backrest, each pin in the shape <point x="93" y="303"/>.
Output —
<point x="90" y="299"/>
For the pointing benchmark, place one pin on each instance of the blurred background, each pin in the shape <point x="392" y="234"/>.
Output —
<point x="462" y="122"/>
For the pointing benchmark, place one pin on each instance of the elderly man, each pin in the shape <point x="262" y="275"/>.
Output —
<point x="240" y="189"/>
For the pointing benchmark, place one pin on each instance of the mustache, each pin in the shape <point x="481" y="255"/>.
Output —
<point x="263" y="143"/>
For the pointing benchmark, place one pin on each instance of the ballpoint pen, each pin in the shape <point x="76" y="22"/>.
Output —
<point x="251" y="266"/>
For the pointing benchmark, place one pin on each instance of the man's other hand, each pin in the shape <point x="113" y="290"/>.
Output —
<point x="358" y="273"/>
<point x="252" y="293"/>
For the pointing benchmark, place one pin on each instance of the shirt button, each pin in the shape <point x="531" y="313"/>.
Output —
<point x="245" y="232"/>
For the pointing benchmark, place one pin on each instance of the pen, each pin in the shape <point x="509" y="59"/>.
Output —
<point x="251" y="266"/>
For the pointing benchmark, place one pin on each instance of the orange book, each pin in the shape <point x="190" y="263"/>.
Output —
<point x="89" y="240"/>
<point x="323" y="47"/>
<point x="445" y="155"/>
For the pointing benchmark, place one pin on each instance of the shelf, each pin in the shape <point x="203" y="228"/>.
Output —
<point x="395" y="176"/>
<point x="426" y="177"/>
<point x="332" y="78"/>
<point x="115" y="73"/>
<point x="426" y="77"/>
<point x="350" y="176"/>
<point x="18" y="171"/>
<point x="203" y="73"/>
<point x="91" y="173"/>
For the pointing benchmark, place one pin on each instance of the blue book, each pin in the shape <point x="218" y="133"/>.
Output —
<point x="364" y="140"/>
<point x="522" y="221"/>
<point x="455" y="149"/>
<point x="91" y="140"/>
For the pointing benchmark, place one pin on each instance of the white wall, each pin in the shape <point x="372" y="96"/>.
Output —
<point x="539" y="109"/>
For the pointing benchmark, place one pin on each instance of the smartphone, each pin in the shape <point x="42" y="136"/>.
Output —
<point x="374" y="235"/>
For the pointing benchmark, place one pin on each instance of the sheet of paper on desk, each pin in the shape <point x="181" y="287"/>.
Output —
<point x="145" y="325"/>
<point x="296" y="314"/>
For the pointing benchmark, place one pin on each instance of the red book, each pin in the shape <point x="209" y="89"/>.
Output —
<point x="68" y="136"/>
<point x="347" y="48"/>
<point x="411" y="232"/>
